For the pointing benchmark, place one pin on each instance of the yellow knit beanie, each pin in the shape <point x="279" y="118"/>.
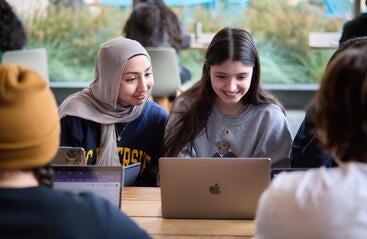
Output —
<point x="29" y="123"/>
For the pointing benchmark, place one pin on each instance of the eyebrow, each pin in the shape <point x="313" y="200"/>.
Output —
<point x="240" y="73"/>
<point x="136" y="73"/>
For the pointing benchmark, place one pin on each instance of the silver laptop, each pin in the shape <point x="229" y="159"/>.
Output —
<point x="104" y="181"/>
<point x="217" y="188"/>
<point x="76" y="156"/>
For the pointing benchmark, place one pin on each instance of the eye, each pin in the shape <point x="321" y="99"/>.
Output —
<point x="243" y="77"/>
<point x="131" y="79"/>
<point x="148" y="74"/>
<point x="221" y="77"/>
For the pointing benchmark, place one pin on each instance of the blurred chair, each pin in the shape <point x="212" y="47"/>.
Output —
<point x="167" y="81"/>
<point x="166" y="73"/>
<point x="35" y="59"/>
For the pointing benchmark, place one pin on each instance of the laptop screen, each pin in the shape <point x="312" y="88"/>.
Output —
<point x="103" y="181"/>
<point x="69" y="156"/>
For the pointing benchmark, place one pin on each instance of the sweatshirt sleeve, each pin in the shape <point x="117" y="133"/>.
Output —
<point x="275" y="136"/>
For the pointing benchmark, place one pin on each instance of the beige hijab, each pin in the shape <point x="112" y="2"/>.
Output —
<point x="98" y="102"/>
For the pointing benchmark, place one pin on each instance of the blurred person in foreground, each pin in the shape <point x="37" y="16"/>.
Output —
<point x="327" y="203"/>
<point x="29" y="139"/>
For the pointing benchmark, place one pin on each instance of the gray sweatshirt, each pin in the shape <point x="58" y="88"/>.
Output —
<point x="260" y="131"/>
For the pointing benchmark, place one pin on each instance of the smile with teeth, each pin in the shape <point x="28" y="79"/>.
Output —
<point x="230" y="94"/>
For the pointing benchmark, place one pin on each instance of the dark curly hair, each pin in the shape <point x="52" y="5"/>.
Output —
<point x="153" y="18"/>
<point x="13" y="36"/>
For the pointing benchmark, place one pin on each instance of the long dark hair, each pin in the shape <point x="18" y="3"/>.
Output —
<point x="233" y="44"/>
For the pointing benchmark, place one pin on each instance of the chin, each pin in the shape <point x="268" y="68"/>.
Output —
<point x="137" y="103"/>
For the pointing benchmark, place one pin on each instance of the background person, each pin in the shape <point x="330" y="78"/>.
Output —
<point x="305" y="148"/>
<point x="29" y="139"/>
<point x="355" y="27"/>
<point x="13" y="35"/>
<point x="113" y="119"/>
<point x="154" y="24"/>
<point x="228" y="104"/>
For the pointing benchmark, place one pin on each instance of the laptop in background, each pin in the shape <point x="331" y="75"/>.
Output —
<point x="131" y="172"/>
<point x="69" y="156"/>
<point x="76" y="156"/>
<point x="34" y="58"/>
<point x="217" y="188"/>
<point x="105" y="181"/>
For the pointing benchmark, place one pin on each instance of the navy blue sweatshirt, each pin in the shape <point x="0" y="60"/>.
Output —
<point x="141" y="140"/>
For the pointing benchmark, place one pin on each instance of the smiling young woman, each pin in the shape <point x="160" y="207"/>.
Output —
<point x="227" y="110"/>
<point x="113" y="119"/>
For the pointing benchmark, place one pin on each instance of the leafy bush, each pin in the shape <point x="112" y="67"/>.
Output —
<point x="72" y="38"/>
<point x="280" y="30"/>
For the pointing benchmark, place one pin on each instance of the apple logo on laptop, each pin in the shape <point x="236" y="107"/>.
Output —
<point x="214" y="189"/>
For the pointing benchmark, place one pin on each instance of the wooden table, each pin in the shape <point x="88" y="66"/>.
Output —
<point x="143" y="205"/>
<point x="324" y="40"/>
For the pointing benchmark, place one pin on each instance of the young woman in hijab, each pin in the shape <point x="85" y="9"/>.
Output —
<point x="228" y="107"/>
<point x="113" y="119"/>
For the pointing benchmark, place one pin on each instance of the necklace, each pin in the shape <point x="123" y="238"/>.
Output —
<point x="119" y="135"/>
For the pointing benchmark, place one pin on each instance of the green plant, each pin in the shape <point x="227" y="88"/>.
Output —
<point x="72" y="38"/>
<point x="280" y="30"/>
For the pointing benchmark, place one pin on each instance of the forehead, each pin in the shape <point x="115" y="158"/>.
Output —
<point x="137" y="63"/>
<point x="231" y="67"/>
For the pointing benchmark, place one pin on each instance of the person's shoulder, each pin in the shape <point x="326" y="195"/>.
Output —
<point x="316" y="183"/>
<point x="269" y="107"/>
<point x="86" y="202"/>
<point x="113" y="223"/>
<point x="75" y="120"/>
<point x="271" y="111"/>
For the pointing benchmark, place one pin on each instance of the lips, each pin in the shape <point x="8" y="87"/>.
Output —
<point x="230" y="94"/>
<point x="140" y="97"/>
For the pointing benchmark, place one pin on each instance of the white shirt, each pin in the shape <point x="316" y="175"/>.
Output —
<point x="318" y="203"/>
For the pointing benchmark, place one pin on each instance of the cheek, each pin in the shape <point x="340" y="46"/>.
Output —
<point x="150" y="83"/>
<point x="216" y="84"/>
<point x="245" y="84"/>
<point x="126" y="89"/>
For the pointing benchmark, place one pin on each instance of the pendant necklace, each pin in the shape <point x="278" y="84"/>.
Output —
<point x="119" y="135"/>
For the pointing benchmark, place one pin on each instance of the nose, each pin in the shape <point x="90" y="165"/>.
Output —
<point x="231" y="84"/>
<point x="143" y="84"/>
